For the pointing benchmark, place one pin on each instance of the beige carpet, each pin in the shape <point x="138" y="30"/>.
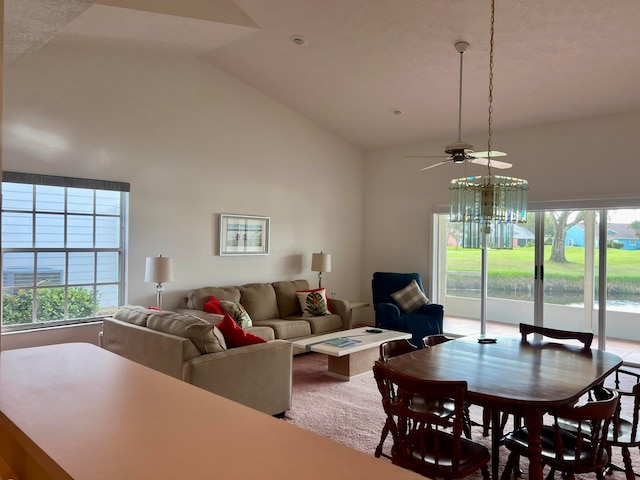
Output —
<point x="351" y="412"/>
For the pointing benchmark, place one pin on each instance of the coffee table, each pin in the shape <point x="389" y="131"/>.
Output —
<point x="350" y="361"/>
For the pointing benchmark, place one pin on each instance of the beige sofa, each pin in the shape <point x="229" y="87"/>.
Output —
<point x="274" y="305"/>
<point x="188" y="348"/>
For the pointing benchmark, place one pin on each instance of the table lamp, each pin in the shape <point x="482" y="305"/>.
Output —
<point x="159" y="270"/>
<point x="321" y="262"/>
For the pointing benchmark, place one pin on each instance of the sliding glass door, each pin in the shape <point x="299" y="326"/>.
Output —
<point x="556" y="274"/>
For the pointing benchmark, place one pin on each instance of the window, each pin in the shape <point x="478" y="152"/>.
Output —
<point x="63" y="250"/>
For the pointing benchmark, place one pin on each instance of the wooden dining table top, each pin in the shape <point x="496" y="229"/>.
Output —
<point x="511" y="374"/>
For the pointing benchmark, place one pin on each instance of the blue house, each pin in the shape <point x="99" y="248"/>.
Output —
<point x="617" y="232"/>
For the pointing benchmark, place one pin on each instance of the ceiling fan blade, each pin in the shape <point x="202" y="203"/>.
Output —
<point x="425" y="156"/>
<point x="494" y="163"/>
<point x="494" y="153"/>
<point x="435" y="165"/>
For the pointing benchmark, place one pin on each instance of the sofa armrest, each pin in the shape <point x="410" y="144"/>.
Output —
<point x="158" y="350"/>
<point x="258" y="376"/>
<point x="342" y="308"/>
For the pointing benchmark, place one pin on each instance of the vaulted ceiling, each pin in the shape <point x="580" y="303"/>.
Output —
<point x="377" y="72"/>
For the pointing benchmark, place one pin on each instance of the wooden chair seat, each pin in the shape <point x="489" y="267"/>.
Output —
<point x="470" y="454"/>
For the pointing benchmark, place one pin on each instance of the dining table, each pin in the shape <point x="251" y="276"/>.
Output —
<point x="522" y="377"/>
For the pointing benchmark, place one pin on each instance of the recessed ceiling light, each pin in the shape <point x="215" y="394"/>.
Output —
<point x="396" y="111"/>
<point x="299" y="40"/>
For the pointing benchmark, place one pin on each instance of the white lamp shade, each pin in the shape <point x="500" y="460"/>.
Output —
<point x="321" y="262"/>
<point x="159" y="270"/>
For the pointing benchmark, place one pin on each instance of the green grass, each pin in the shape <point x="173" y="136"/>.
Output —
<point x="623" y="265"/>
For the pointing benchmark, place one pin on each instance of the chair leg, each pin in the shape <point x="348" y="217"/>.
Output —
<point x="486" y="421"/>
<point x="551" y="474"/>
<point x="383" y="437"/>
<point x="508" y="467"/>
<point x="628" y="467"/>
<point x="466" y="426"/>
<point x="485" y="472"/>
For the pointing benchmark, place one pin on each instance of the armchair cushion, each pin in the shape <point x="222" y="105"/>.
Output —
<point x="410" y="298"/>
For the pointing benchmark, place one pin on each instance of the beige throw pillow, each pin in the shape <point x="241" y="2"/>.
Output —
<point x="410" y="298"/>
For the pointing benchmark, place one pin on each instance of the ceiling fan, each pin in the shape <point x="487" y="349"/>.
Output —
<point x="459" y="151"/>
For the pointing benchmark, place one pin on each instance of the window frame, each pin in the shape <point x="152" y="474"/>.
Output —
<point x="35" y="180"/>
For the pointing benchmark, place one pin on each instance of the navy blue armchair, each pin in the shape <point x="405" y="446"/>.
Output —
<point x="426" y="320"/>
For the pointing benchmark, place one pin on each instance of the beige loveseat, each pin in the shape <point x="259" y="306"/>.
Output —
<point x="274" y="305"/>
<point x="188" y="348"/>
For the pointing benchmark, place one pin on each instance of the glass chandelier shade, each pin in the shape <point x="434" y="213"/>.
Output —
<point x="488" y="206"/>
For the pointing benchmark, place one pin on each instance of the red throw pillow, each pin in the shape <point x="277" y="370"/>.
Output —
<point x="213" y="306"/>
<point x="234" y="336"/>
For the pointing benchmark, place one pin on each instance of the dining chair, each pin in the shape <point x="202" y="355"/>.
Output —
<point x="424" y="440"/>
<point x="435" y="339"/>
<point x="624" y="432"/>
<point x="581" y="449"/>
<point x="526" y="329"/>
<point x="586" y="338"/>
<point x="388" y="350"/>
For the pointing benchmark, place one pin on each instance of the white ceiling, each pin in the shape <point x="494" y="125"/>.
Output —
<point x="554" y="60"/>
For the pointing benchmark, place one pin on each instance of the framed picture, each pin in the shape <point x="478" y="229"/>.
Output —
<point x="244" y="235"/>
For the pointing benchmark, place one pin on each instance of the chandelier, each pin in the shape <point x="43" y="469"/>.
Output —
<point x="488" y="205"/>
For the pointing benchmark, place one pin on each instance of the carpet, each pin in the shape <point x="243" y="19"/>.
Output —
<point x="351" y="412"/>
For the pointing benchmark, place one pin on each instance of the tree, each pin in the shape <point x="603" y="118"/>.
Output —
<point x="562" y="222"/>
<point x="635" y="225"/>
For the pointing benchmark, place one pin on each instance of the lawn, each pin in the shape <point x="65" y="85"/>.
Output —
<point x="622" y="264"/>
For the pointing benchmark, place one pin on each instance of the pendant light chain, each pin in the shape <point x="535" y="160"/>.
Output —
<point x="490" y="129"/>
<point x="488" y="206"/>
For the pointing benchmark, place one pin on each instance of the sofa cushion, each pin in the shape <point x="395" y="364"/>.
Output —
<point x="204" y="336"/>
<point x="313" y="302"/>
<point x="259" y="300"/>
<point x="325" y="323"/>
<point x="288" y="304"/>
<point x="133" y="314"/>
<point x="238" y="313"/>
<point x="198" y="297"/>
<point x="283" y="329"/>
<point x="235" y="336"/>
<point x="410" y="298"/>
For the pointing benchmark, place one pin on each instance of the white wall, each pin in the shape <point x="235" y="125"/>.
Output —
<point x="193" y="142"/>
<point x="583" y="159"/>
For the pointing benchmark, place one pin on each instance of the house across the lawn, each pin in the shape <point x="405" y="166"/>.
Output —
<point x="616" y="232"/>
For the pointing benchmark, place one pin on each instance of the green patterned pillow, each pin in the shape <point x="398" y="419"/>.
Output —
<point x="238" y="313"/>
<point x="313" y="302"/>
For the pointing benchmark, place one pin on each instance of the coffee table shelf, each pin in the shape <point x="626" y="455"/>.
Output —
<point x="348" y="362"/>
